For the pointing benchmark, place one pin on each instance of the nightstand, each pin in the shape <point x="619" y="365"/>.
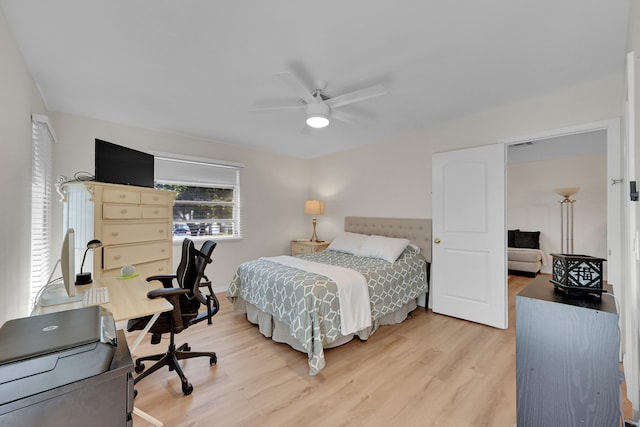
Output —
<point x="299" y="247"/>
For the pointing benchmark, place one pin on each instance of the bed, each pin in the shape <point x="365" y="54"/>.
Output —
<point x="303" y="308"/>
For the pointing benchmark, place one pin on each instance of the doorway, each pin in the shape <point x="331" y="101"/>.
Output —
<point x="587" y="139"/>
<point x="539" y="172"/>
<point x="443" y="284"/>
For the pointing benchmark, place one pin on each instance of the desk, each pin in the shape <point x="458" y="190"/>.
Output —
<point x="127" y="300"/>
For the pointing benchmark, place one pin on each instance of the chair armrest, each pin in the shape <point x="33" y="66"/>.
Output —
<point x="166" y="279"/>
<point x="198" y="293"/>
<point x="166" y="293"/>
<point x="210" y="301"/>
<point x="173" y="296"/>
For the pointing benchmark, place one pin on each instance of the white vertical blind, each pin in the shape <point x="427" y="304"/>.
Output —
<point x="41" y="189"/>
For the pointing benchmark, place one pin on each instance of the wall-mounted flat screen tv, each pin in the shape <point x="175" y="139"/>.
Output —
<point x="116" y="164"/>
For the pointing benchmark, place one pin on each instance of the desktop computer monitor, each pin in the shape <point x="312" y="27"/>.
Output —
<point x="68" y="266"/>
<point x="68" y="262"/>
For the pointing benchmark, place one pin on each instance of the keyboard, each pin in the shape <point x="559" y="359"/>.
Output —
<point x="95" y="296"/>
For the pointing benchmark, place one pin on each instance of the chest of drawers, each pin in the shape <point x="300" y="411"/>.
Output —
<point x="134" y="224"/>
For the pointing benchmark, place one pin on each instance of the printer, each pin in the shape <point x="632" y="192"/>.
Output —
<point x="40" y="353"/>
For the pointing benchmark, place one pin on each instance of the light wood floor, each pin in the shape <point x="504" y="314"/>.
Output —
<point x="431" y="370"/>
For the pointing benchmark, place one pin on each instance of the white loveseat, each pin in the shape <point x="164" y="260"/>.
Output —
<point x="524" y="254"/>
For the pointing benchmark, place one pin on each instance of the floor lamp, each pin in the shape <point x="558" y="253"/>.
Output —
<point x="566" y="218"/>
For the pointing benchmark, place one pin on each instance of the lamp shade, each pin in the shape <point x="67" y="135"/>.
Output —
<point x="314" y="207"/>
<point x="84" y="278"/>
<point x="567" y="191"/>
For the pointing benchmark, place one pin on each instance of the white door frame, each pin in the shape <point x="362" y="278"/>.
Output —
<point x="629" y="306"/>
<point x="614" y="191"/>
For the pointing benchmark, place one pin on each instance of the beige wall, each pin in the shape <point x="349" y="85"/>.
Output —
<point x="533" y="204"/>
<point x="393" y="177"/>
<point x="19" y="98"/>
<point x="273" y="187"/>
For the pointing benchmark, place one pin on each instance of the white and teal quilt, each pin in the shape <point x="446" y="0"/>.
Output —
<point x="308" y="303"/>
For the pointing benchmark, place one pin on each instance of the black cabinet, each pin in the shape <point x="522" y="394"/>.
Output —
<point x="101" y="400"/>
<point x="566" y="358"/>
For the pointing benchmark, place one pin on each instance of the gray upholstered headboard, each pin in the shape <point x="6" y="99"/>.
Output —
<point x="418" y="231"/>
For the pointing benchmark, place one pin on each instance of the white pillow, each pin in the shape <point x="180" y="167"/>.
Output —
<point x="386" y="248"/>
<point x="348" y="242"/>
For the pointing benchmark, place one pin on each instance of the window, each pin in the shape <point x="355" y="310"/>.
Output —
<point x="42" y="137"/>
<point x="208" y="195"/>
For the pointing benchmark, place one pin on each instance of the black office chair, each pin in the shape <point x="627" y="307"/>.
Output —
<point x="186" y="301"/>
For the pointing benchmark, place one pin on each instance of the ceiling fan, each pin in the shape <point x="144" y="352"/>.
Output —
<point x="318" y="106"/>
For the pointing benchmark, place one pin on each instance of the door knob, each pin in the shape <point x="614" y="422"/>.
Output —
<point x="436" y="241"/>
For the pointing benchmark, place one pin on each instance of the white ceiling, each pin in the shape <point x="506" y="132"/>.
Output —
<point x="196" y="67"/>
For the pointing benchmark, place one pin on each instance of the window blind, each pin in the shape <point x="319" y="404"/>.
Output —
<point x="41" y="189"/>
<point x="188" y="171"/>
<point x="191" y="171"/>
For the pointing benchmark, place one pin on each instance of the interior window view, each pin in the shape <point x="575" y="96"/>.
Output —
<point x="361" y="213"/>
<point x="201" y="211"/>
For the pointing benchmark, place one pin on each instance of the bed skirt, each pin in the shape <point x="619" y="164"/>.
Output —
<point x="279" y="331"/>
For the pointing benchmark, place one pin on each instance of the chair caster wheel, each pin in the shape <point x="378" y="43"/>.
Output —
<point x="139" y="368"/>
<point x="187" y="348"/>
<point x="213" y="360"/>
<point x="187" y="388"/>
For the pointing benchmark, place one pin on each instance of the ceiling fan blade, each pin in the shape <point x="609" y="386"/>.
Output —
<point x="277" y="107"/>
<point x="345" y="117"/>
<point x="297" y="87"/>
<point x="357" y="96"/>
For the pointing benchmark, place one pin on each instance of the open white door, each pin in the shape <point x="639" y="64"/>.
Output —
<point x="469" y="269"/>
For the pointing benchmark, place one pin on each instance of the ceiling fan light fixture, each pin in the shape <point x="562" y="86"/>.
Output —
<point x="318" y="121"/>
<point x="318" y="115"/>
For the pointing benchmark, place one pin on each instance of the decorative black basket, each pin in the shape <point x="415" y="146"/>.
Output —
<point x="577" y="273"/>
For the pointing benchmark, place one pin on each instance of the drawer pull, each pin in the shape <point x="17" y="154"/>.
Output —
<point x="122" y="196"/>
<point x="163" y="250"/>
<point x="123" y="211"/>
<point x="161" y="231"/>
<point x="156" y="212"/>
<point x="117" y="257"/>
<point x="114" y="234"/>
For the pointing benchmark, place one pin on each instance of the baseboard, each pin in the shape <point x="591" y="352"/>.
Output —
<point x="220" y="289"/>
<point x="522" y="273"/>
